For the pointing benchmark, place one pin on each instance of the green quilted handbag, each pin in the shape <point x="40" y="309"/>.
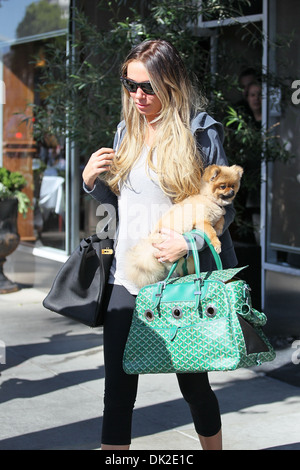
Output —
<point x="196" y="323"/>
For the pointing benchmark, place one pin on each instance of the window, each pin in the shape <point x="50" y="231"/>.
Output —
<point x="241" y="11"/>
<point x="24" y="30"/>
<point x="24" y="18"/>
<point x="43" y="163"/>
<point x="283" y="185"/>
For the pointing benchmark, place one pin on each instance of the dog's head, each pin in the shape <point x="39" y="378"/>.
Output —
<point x="223" y="182"/>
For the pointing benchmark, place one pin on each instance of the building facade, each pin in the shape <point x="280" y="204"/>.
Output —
<point x="60" y="214"/>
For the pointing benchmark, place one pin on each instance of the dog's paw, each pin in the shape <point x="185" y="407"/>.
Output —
<point x="217" y="247"/>
<point x="219" y="230"/>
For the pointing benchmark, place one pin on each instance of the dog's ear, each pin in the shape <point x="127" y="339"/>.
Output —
<point x="238" y="169"/>
<point x="211" y="172"/>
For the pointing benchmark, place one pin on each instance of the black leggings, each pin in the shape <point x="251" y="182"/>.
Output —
<point x="121" y="388"/>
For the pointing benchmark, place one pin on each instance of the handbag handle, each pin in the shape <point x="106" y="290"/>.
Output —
<point x="198" y="281"/>
<point x="210" y="246"/>
<point x="195" y="253"/>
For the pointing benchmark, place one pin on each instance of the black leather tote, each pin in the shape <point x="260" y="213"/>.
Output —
<point x="78" y="289"/>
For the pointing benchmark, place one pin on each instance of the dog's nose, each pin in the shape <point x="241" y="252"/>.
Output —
<point x="229" y="195"/>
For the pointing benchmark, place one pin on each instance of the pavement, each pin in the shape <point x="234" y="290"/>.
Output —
<point x="51" y="386"/>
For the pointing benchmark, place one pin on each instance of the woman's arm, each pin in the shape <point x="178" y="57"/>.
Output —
<point x="98" y="163"/>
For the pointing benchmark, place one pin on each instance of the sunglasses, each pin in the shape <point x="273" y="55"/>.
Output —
<point x="132" y="86"/>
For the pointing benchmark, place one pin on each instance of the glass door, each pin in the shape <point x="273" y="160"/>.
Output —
<point x="24" y="31"/>
<point x="42" y="163"/>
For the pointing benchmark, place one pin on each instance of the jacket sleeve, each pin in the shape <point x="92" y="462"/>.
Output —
<point x="211" y="146"/>
<point x="101" y="192"/>
<point x="209" y="141"/>
<point x="107" y="209"/>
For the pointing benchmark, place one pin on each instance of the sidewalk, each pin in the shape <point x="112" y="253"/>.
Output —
<point x="51" y="390"/>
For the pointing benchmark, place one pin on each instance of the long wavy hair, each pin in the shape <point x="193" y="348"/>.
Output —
<point x="178" y="163"/>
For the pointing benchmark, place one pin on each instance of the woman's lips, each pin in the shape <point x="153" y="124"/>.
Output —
<point x="141" y="106"/>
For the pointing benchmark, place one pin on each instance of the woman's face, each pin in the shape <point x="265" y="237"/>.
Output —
<point x="148" y="105"/>
<point x="254" y="97"/>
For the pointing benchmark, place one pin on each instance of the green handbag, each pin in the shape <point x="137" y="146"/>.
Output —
<point x="196" y="323"/>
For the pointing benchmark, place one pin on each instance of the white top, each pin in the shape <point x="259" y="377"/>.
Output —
<point x="141" y="203"/>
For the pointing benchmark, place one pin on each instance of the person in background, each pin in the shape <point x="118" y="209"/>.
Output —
<point x="254" y="100"/>
<point x="246" y="77"/>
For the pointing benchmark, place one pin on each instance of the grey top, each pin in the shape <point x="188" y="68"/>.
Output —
<point x="141" y="202"/>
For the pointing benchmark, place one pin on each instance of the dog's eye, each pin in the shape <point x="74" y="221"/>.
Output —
<point x="223" y="186"/>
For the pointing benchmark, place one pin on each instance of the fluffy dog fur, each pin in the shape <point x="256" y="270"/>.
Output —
<point x="205" y="211"/>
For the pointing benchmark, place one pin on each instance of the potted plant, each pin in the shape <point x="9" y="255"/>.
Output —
<point x="12" y="201"/>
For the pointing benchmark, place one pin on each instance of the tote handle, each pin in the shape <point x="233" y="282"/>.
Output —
<point x="210" y="246"/>
<point x="198" y="281"/>
<point x="195" y="253"/>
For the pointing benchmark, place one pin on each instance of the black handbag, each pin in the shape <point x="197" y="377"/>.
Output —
<point x="78" y="289"/>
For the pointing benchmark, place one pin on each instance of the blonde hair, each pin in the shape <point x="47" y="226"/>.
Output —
<point x="178" y="161"/>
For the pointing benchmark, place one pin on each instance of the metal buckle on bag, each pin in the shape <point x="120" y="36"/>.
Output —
<point x="246" y="293"/>
<point x="201" y="283"/>
<point x="161" y="287"/>
<point x="246" y="288"/>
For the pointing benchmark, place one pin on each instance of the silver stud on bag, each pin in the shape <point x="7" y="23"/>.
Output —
<point x="211" y="311"/>
<point x="149" y="315"/>
<point x="177" y="312"/>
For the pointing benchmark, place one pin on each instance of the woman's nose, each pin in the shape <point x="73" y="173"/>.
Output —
<point x="139" y="93"/>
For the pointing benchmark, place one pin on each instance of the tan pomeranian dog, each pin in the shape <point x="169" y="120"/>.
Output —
<point x="205" y="211"/>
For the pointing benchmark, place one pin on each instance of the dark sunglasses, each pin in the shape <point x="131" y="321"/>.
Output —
<point x="132" y="86"/>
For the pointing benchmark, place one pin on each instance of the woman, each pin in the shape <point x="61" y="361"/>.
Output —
<point x="158" y="156"/>
<point x="254" y="102"/>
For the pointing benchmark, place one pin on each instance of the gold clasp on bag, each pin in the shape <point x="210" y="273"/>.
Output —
<point x="107" y="251"/>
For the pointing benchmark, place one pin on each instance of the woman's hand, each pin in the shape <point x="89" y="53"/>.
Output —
<point x="172" y="248"/>
<point x="98" y="163"/>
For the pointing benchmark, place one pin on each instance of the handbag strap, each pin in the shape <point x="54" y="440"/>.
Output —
<point x="197" y="281"/>
<point x="210" y="246"/>
<point x="195" y="253"/>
